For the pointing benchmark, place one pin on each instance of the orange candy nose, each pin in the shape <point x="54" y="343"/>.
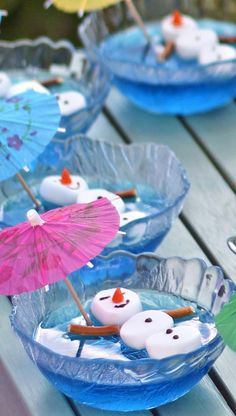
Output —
<point x="177" y="18"/>
<point x="65" y="177"/>
<point x="118" y="296"/>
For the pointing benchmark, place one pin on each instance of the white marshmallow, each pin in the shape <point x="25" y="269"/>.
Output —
<point x="91" y="195"/>
<point x="181" y="339"/>
<point x="53" y="339"/>
<point x="5" y="84"/>
<point x="216" y="53"/>
<point x="170" y="31"/>
<point x="70" y="102"/>
<point x="141" y="326"/>
<point x="53" y="191"/>
<point x="110" y="313"/>
<point x="190" y="42"/>
<point x="130" y="216"/>
<point x="21" y="87"/>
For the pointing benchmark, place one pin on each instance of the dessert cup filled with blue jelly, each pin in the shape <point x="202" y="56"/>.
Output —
<point x="153" y="170"/>
<point x="103" y="372"/>
<point x="172" y="86"/>
<point x="42" y="60"/>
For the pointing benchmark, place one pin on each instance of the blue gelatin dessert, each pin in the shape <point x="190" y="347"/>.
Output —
<point x="103" y="372"/>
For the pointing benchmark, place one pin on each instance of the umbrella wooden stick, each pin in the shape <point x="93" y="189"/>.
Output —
<point x="28" y="190"/>
<point x="138" y="19"/>
<point x="77" y="301"/>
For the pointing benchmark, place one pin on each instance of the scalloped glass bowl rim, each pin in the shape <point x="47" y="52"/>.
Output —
<point x="197" y="67"/>
<point x="64" y="43"/>
<point x="217" y="340"/>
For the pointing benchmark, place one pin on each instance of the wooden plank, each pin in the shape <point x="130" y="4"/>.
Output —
<point x="103" y="130"/>
<point x="210" y="206"/>
<point x="24" y="381"/>
<point x="203" y="400"/>
<point x="216" y="131"/>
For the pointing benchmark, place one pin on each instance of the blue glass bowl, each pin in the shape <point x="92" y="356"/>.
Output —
<point x="173" y="87"/>
<point x="44" y="59"/>
<point x="153" y="169"/>
<point x="141" y="382"/>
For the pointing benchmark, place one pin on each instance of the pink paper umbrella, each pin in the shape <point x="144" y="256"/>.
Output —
<point x="47" y="248"/>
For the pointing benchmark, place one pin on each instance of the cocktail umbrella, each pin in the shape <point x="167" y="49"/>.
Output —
<point x="226" y="323"/>
<point x="28" y="122"/>
<point x="74" y="6"/>
<point x="47" y="248"/>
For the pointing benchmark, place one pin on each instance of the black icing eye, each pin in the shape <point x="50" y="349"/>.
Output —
<point x="125" y="218"/>
<point x="99" y="197"/>
<point x="148" y="320"/>
<point x="176" y="337"/>
<point x="66" y="102"/>
<point x="169" y="331"/>
<point x="105" y="297"/>
<point x="57" y="97"/>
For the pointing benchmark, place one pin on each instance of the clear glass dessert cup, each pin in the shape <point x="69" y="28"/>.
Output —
<point x="140" y="382"/>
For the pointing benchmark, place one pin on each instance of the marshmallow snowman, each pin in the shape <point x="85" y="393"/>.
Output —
<point x="70" y="102"/>
<point x="190" y="42"/>
<point x="115" y="306"/>
<point x="21" y="87"/>
<point x="130" y="216"/>
<point x="141" y="326"/>
<point x="172" y="26"/>
<point x="181" y="339"/>
<point x="216" y="53"/>
<point x="91" y="195"/>
<point x="62" y="190"/>
<point x="5" y="84"/>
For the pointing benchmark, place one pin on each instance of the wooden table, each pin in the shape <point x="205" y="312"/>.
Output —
<point x="206" y="145"/>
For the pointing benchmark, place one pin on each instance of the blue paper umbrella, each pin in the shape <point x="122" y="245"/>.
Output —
<point x="27" y="124"/>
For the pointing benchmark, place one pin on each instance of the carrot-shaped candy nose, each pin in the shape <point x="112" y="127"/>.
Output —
<point x="118" y="296"/>
<point x="65" y="177"/>
<point x="177" y="18"/>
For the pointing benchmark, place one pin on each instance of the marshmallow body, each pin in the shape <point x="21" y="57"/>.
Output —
<point x="141" y="326"/>
<point x="178" y="340"/>
<point x="70" y="102"/>
<point x="190" y="42"/>
<point x="91" y="195"/>
<point x="53" y="191"/>
<point x="110" y="313"/>
<point x="216" y="53"/>
<point x="21" y="87"/>
<point x="5" y="84"/>
<point x="130" y="216"/>
<point x="170" y="32"/>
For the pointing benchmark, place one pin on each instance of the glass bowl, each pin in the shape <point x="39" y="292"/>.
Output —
<point x="117" y="382"/>
<point x="152" y="169"/>
<point x="174" y="86"/>
<point x="44" y="59"/>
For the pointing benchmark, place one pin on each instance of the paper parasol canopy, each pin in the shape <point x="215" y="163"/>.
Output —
<point x="28" y="122"/>
<point x="73" y="6"/>
<point x="47" y="248"/>
<point x="226" y="323"/>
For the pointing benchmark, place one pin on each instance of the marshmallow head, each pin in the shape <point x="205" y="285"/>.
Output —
<point x="141" y="326"/>
<point x="190" y="42"/>
<point x="70" y="102"/>
<point x="173" y="25"/>
<point x="5" y="84"/>
<point x="181" y="339"/>
<point x="62" y="190"/>
<point x="21" y="87"/>
<point x="91" y="195"/>
<point x="216" y="53"/>
<point x="115" y="306"/>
